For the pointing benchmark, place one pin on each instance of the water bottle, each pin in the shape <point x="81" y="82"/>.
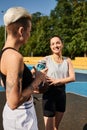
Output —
<point x="41" y="65"/>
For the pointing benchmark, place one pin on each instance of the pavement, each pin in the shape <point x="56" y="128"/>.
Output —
<point x="75" y="117"/>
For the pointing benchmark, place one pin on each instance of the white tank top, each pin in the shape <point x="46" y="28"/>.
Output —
<point x="57" y="70"/>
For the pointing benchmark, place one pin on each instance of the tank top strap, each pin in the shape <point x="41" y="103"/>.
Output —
<point x="65" y="58"/>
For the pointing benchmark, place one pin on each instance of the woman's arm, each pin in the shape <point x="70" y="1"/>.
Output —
<point x="71" y="77"/>
<point x="15" y="96"/>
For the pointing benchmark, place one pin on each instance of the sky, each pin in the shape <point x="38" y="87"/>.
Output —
<point x="33" y="6"/>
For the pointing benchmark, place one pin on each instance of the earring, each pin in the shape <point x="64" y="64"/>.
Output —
<point x="21" y="38"/>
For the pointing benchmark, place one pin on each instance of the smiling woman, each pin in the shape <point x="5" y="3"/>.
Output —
<point x="60" y="72"/>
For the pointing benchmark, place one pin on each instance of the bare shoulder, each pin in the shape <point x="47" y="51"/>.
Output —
<point x="12" y="55"/>
<point x="12" y="60"/>
<point x="68" y="59"/>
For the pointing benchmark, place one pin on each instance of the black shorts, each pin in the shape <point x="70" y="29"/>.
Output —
<point x="54" y="100"/>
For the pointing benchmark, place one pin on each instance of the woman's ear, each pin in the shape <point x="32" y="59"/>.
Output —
<point x="21" y="31"/>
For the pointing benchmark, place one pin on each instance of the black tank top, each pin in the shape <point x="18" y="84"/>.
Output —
<point x="27" y="75"/>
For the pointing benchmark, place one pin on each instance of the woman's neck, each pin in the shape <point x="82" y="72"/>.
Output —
<point x="57" y="58"/>
<point x="10" y="42"/>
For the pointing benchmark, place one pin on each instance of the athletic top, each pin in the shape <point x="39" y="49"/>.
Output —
<point x="57" y="70"/>
<point x="27" y="77"/>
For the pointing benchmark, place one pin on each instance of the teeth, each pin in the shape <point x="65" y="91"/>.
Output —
<point x="57" y="49"/>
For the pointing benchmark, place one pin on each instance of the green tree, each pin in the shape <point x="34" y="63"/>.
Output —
<point x="68" y="19"/>
<point x="70" y="22"/>
<point x="2" y="36"/>
<point x="80" y="27"/>
<point x="62" y="25"/>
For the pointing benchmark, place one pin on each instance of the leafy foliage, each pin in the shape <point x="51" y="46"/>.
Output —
<point x="68" y="20"/>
